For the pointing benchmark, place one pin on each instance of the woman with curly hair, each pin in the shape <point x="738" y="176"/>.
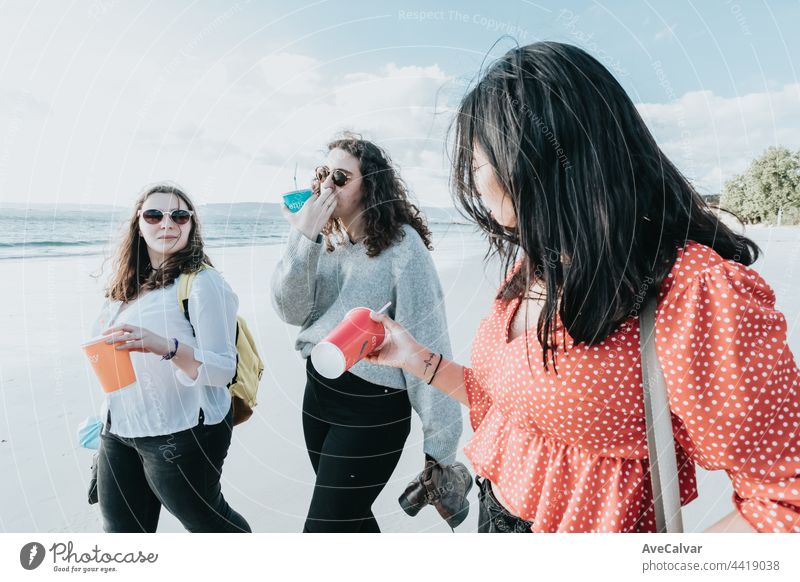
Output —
<point x="359" y="241"/>
<point x="167" y="434"/>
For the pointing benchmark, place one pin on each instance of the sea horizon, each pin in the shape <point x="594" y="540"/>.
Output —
<point x="29" y="231"/>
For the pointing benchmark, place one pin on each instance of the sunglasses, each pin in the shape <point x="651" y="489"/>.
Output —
<point x="155" y="216"/>
<point x="340" y="177"/>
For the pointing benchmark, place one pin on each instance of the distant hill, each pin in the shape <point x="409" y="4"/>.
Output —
<point x="234" y="209"/>
<point x="224" y="210"/>
<point x="273" y="210"/>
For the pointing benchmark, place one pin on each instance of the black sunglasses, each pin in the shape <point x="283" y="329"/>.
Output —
<point x="155" y="216"/>
<point x="340" y="177"/>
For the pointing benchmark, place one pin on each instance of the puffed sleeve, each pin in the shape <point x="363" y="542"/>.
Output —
<point x="212" y="310"/>
<point x="479" y="399"/>
<point x="733" y="382"/>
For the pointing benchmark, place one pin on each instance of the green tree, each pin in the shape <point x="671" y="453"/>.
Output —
<point x="770" y="183"/>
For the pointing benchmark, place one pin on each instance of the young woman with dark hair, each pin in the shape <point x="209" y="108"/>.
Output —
<point x="167" y="435"/>
<point x="359" y="241"/>
<point x="554" y="163"/>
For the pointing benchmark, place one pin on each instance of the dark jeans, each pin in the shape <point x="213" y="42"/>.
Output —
<point x="493" y="517"/>
<point x="354" y="432"/>
<point x="181" y="471"/>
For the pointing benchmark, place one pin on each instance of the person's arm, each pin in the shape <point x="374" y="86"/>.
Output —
<point x="401" y="350"/>
<point x="294" y="278"/>
<point x="212" y="308"/>
<point x="420" y="308"/>
<point x="731" y="379"/>
<point x="462" y="383"/>
<point x="293" y="281"/>
<point x="449" y="377"/>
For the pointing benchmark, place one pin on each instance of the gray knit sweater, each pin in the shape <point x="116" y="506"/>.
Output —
<point x="314" y="288"/>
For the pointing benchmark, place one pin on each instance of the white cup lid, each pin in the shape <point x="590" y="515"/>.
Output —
<point x="328" y="360"/>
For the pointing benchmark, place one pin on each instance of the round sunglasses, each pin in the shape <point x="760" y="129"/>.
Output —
<point x="155" y="216"/>
<point x="340" y="177"/>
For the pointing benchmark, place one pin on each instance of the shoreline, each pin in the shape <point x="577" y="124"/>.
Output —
<point x="47" y="389"/>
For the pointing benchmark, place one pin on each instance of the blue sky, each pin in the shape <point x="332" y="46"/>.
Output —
<point x="98" y="98"/>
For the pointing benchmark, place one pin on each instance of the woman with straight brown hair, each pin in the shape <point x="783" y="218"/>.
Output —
<point x="167" y="434"/>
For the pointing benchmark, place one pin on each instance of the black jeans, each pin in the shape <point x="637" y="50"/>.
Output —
<point x="354" y="432"/>
<point x="181" y="471"/>
<point x="493" y="517"/>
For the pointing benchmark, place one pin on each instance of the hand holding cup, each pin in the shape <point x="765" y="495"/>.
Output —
<point x="314" y="214"/>
<point x="398" y="348"/>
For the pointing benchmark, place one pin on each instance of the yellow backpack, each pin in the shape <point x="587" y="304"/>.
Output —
<point x="249" y="366"/>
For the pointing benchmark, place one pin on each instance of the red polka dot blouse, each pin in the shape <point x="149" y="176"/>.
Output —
<point x="569" y="450"/>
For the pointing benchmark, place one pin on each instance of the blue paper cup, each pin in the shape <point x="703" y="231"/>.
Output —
<point x="294" y="200"/>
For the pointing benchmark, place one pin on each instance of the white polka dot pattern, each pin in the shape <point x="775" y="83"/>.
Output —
<point x="568" y="449"/>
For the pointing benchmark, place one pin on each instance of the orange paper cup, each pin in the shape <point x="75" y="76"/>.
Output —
<point x="112" y="366"/>
<point x="355" y="337"/>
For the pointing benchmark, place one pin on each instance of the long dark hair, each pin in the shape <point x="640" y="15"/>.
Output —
<point x="601" y="211"/>
<point x="387" y="206"/>
<point x="132" y="270"/>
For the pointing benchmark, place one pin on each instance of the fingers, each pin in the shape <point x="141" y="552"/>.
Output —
<point x="326" y="209"/>
<point x="330" y="205"/>
<point x="122" y="337"/>
<point x="118" y="328"/>
<point x="132" y="346"/>
<point x="326" y="197"/>
<point x="375" y="360"/>
<point x="387" y="321"/>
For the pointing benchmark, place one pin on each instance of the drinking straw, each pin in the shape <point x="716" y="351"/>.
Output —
<point x="384" y="308"/>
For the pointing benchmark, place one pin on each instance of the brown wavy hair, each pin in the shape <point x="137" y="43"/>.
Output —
<point x="387" y="204"/>
<point x="132" y="270"/>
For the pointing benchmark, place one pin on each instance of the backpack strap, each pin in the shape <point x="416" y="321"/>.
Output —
<point x="184" y="289"/>
<point x="658" y="419"/>
<point x="184" y="284"/>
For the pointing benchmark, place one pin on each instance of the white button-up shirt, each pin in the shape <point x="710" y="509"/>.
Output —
<point x="165" y="400"/>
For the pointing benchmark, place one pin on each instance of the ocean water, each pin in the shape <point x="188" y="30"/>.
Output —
<point x="29" y="233"/>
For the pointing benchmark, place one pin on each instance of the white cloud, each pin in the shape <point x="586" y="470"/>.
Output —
<point x="668" y="32"/>
<point x="711" y="138"/>
<point x="85" y="118"/>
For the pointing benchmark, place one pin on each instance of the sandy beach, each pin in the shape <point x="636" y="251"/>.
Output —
<point x="47" y="389"/>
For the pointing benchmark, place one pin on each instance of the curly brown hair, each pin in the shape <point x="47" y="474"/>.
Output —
<point x="387" y="205"/>
<point x="132" y="270"/>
